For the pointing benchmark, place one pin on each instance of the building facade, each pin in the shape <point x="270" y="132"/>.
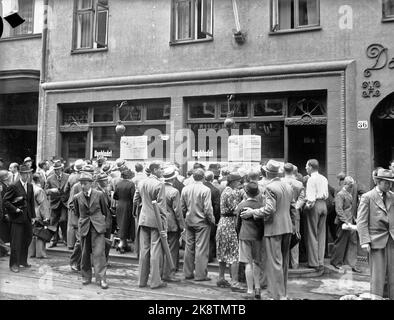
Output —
<point x="313" y="79"/>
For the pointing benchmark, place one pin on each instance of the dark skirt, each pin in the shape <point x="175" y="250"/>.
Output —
<point x="125" y="220"/>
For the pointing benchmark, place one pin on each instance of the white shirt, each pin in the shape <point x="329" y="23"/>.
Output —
<point x="89" y="192"/>
<point x="316" y="187"/>
<point x="24" y="184"/>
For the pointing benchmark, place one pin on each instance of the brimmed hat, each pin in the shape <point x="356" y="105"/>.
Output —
<point x="252" y="189"/>
<point x="233" y="177"/>
<point x="169" y="173"/>
<point x="27" y="159"/>
<point x="87" y="168"/>
<point x="272" y="166"/>
<point x="78" y="165"/>
<point x="106" y="167"/>
<point x="385" y="174"/>
<point x="102" y="177"/>
<point x="25" y="169"/>
<point x="4" y="174"/>
<point x="120" y="162"/>
<point x="58" y="165"/>
<point x="85" y="176"/>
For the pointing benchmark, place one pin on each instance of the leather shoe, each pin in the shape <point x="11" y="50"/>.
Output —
<point x="14" y="269"/>
<point x="52" y="245"/>
<point x="103" y="284"/>
<point x="25" y="265"/>
<point x="86" y="281"/>
<point x="357" y="270"/>
<point x="171" y="279"/>
<point x="203" y="279"/>
<point x="336" y="266"/>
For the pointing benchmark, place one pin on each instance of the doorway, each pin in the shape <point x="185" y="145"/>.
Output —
<point x="17" y="144"/>
<point x="307" y="142"/>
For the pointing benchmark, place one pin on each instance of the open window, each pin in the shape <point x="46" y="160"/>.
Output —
<point x="91" y="24"/>
<point x="294" y="14"/>
<point x="191" y="20"/>
<point x="25" y="9"/>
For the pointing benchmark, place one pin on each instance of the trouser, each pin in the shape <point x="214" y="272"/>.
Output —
<point x="151" y="255"/>
<point x="21" y="236"/>
<point x="382" y="265"/>
<point x="93" y="245"/>
<point x="108" y="243"/>
<point x="59" y="219"/>
<point x="295" y="251"/>
<point x="3" y="248"/>
<point x="212" y="243"/>
<point x="71" y="229"/>
<point x="173" y="244"/>
<point x="263" y="265"/>
<point x="278" y="251"/>
<point x="316" y="233"/>
<point x="37" y="248"/>
<point x="197" y="251"/>
<point x="345" y="247"/>
<point x="76" y="256"/>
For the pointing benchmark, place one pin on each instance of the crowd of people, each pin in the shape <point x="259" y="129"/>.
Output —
<point x="247" y="220"/>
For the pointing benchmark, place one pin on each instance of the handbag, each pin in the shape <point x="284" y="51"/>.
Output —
<point x="41" y="231"/>
<point x="295" y="239"/>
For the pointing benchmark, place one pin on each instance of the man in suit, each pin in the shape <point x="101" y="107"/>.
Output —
<point x="91" y="208"/>
<point x="345" y="246"/>
<point x="316" y="196"/>
<point x="299" y="199"/>
<point x="5" y="226"/>
<point x="151" y="252"/>
<point x="215" y="200"/>
<point x="14" y="170"/>
<point x="197" y="207"/>
<point x="55" y="188"/>
<point x="375" y="226"/>
<point x="19" y="202"/>
<point x="279" y="224"/>
<point x="175" y="220"/>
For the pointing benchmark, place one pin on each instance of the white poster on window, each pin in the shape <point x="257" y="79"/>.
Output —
<point x="244" y="148"/>
<point x="134" y="147"/>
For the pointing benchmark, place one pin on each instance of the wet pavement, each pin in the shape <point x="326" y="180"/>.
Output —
<point x="52" y="279"/>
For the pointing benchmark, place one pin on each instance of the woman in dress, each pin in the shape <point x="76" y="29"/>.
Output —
<point x="124" y="193"/>
<point x="226" y="235"/>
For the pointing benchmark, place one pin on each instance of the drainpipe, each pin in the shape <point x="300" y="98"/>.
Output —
<point x="43" y="77"/>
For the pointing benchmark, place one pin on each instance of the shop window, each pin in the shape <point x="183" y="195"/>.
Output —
<point x="131" y="112"/>
<point x="19" y="109"/>
<point x="268" y="107"/>
<point x="91" y="24"/>
<point x="25" y="9"/>
<point x="294" y="14"/>
<point x="75" y="116"/>
<point x="238" y="107"/>
<point x="192" y="20"/>
<point x="105" y="139"/>
<point x="388" y="9"/>
<point x="202" y="109"/>
<point x="158" y="111"/>
<point x="103" y="114"/>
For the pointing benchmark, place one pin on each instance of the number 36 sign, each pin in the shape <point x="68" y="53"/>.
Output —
<point x="362" y="124"/>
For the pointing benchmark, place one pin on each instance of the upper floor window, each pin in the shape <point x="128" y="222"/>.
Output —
<point x="90" y="24"/>
<point x="191" y="20"/>
<point x="295" y="14"/>
<point x="29" y="10"/>
<point x="388" y="9"/>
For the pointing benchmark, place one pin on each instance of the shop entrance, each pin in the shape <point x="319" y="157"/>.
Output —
<point x="382" y="120"/>
<point x="307" y="142"/>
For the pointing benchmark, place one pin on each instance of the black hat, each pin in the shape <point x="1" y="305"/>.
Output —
<point x="252" y="189"/>
<point x="25" y="169"/>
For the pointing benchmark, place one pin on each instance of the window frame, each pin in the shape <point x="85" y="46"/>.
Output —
<point x="386" y="18"/>
<point x="94" y="9"/>
<point x="297" y="27"/>
<point x="23" y="35"/>
<point x="193" y="22"/>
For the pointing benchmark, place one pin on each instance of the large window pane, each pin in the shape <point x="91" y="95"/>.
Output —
<point x="240" y="108"/>
<point x="268" y="107"/>
<point x="388" y="8"/>
<point x="286" y="14"/>
<point x="103" y="114"/>
<point x="18" y="109"/>
<point x="308" y="12"/>
<point x="272" y="139"/>
<point x="131" y="112"/>
<point x="84" y="30"/>
<point x="85" y="4"/>
<point x="101" y="27"/>
<point x="158" y="111"/>
<point x="106" y="139"/>
<point x="202" y="109"/>
<point x="75" y="116"/>
<point x="183" y="15"/>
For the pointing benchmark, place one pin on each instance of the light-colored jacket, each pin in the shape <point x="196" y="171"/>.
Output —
<point x="375" y="222"/>
<point x="197" y="205"/>
<point x="175" y="218"/>
<point x="343" y="207"/>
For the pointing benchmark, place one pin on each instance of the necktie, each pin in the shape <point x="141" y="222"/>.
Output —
<point x="384" y="195"/>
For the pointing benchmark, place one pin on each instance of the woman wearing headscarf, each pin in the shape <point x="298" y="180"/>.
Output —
<point x="226" y="235"/>
<point x="124" y="193"/>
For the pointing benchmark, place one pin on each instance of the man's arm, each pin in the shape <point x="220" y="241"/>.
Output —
<point x="76" y="206"/>
<point x="267" y="212"/>
<point x="208" y="206"/>
<point x="7" y="199"/>
<point x="176" y="206"/>
<point x="339" y="202"/>
<point x="363" y="221"/>
<point x="301" y="199"/>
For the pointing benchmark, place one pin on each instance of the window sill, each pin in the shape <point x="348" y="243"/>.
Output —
<point x="175" y="43"/>
<point x="388" y="19"/>
<point x="298" y="30"/>
<point x="22" y="37"/>
<point x="77" y="51"/>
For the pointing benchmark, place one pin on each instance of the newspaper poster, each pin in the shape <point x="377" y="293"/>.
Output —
<point x="134" y="147"/>
<point x="244" y="148"/>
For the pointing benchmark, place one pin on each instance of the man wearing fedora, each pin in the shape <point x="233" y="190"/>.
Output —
<point x="91" y="209"/>
<point x="278" y="213"/>
<point x="175" y="220"/>
<point x="375" y="226"/>
<point x="19" y="202"/>
<point x="56" y="190"/>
